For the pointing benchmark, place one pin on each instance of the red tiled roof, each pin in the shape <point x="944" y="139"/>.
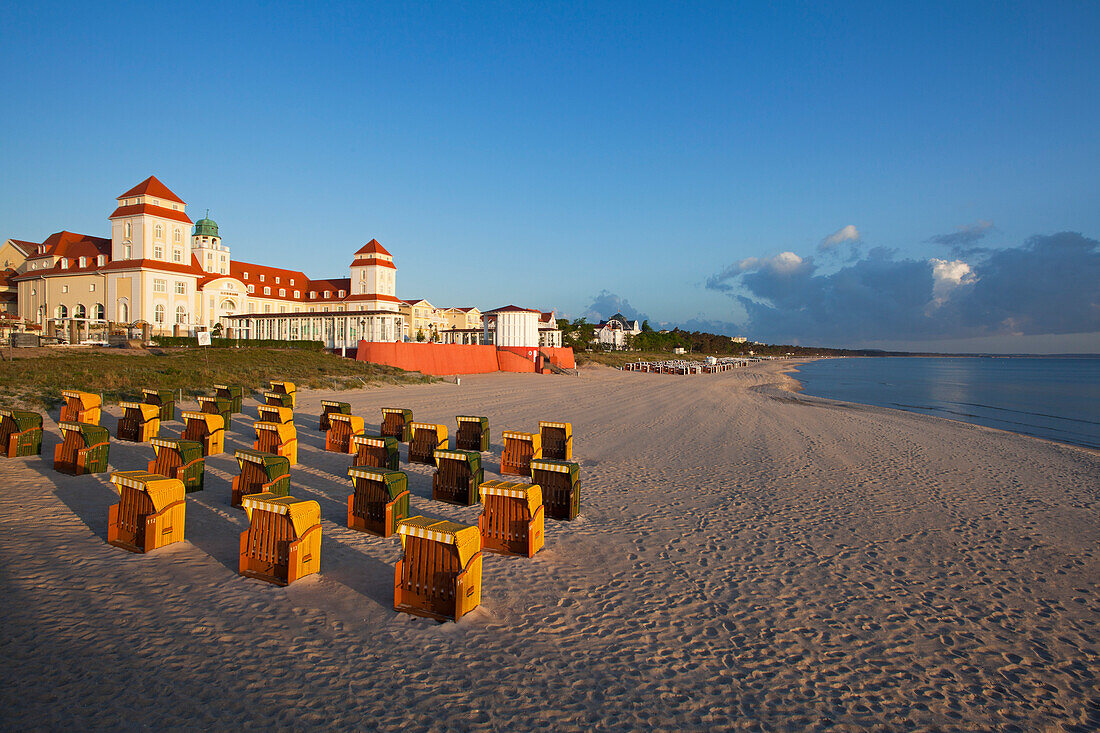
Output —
<point x="373" y="247"/>
<point x="133" y="209"/>
<point x="237" y="269"/>
<point x="152" y="187"/>
<point x="374" y="296"/>
<point x="24" y="246"/>
<point x="511" y="309"/>
<point x="375" y="261"/>
<point x="192" y="269"/>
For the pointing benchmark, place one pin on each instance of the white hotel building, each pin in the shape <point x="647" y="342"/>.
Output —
<point x="158" y="269"/>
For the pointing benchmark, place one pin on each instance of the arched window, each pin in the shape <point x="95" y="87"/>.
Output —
<point x="128" y="230"/>
<point x="228" y="307"/>
<point x="181" y="315"/>
<point x="158" y="314"/>
<point x="176" y="235"/>
<point x="158" y="231"/>
<point x="80" y="312"/>
<point x="100" y="312"/>
<point x="267" y="291"/>
<point x="123" y="311"/>
<point x="61" y="312"/>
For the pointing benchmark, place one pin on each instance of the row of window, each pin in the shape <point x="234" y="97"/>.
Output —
<point x="79" y="311"/>
<point x="100" y="261"/>
<point x="158" y="232"/>
<point x="159" y="312"/>
<point x="278" y="278"/>
<point x="160" y="285"/>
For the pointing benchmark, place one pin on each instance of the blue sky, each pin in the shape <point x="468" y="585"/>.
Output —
<point x="655" y="157"/>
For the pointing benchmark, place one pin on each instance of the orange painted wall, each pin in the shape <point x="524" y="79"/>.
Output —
<point x="442" y="359"/>
<point x="434" y="359"/>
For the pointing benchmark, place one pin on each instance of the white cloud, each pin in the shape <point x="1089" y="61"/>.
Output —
<point x="947" y="277"/>
<point x="840" y="236"/>
<point x="783" y="263"/>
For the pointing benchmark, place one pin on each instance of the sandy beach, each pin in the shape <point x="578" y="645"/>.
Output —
<point x="747" y="557"/>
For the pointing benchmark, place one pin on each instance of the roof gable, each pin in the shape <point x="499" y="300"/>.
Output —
<point x="153" y="187"/>
<point x="373" y="247"/>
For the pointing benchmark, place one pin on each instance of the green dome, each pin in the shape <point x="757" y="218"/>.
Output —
<point x="205" y="228"/>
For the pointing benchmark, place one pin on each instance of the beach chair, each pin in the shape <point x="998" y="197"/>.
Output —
<point x="287" y="389"/>
<point x="458" y="473"/>
<point x="397" y="423"/>
<point x="341" y="429"/>
<point x="557" y="440"/>
<point x="380" y="452"/>
<point x="233" y="394"/>
<point x="20" y="433"/>
<point x="380" y="499"/>
<point x="209" y="430"/>
<point x="139" y="422"/>
<point x="440" y="575"/>
<point x="519" y="450"/>
<point x="511" y="520"/>
<point x="278" y="438"/>
<point x="179" y="459"/>
<point x="150" y="512"/>
<point x="260" y="473"/>
<point x="330" y="406"/>
<point x="165" y="399"/>
<point x="561" y="487"/>
<point x="278" y="399"/>
<point x="216" y="406"/>
<point x="274" y="413"/>
<point x="426" y="439"/>
<point x="283" y="539"/>
<point x="83" y="449"/>
<point x="80" y="407"/>
<point x="473" y="433"/>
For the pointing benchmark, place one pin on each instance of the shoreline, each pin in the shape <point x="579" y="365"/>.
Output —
<point x="800" y="389"/>
<point x="746" y="557"/>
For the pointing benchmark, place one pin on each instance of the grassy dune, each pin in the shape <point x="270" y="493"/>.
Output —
<point x="36" y="382"/>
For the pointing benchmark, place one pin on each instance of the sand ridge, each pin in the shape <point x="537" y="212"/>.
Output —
<point x="746" y="558"/>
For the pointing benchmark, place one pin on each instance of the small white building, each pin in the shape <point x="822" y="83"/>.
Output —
<point x="511" y="326"/>
<point x="614" y="331"/>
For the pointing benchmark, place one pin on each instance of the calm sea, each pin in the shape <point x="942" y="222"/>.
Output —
<point x="1057" y="399"/>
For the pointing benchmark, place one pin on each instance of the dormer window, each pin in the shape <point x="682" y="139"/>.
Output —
<point x="252" y="288"/>
<point x="64" y="263"/>
<point x="328" y="293"/>
<point x="261" y="277"/>
<point x="267" y="291"/>
<point x="282" y="292"/>
<point x="340" y="294"/>
<point x="291" y="281"/>
<point x="276" y="279"/>
<point x="244" y="276"/>
<point x="101" y="260"/>
<point x="312" y="294"/>
<point x="83" y="261"/>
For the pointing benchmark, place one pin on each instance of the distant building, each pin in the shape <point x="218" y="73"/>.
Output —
<point x="738" y="339"/>
<point x="614" y="332"/>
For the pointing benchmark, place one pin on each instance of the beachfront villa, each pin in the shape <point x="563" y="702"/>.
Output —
<point x="616" y="330"/>
<point x="160" y="270"/>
